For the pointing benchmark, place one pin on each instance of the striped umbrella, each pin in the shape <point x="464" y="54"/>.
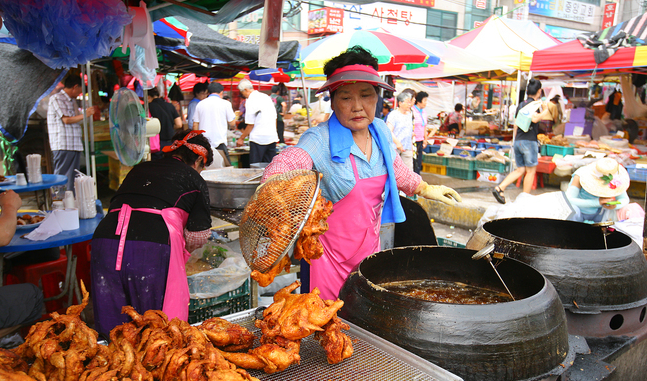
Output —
<point x="392" y="52"/>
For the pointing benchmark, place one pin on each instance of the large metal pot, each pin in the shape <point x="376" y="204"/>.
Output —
<point x="589" y="278"/>
<point x="227" y="186"/>
<point x="520" y="340"/>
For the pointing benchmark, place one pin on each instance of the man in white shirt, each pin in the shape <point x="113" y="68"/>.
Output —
<point x="260" y="116"/>
<point x="214" y="115"/>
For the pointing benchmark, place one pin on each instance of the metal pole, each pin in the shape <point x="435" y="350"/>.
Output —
<point x="93" y="158"/>
<point x="85" y="121"/>
<point x="305" y="95"/>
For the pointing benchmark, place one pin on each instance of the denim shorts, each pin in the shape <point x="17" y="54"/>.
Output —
<point x="525" y="153"/>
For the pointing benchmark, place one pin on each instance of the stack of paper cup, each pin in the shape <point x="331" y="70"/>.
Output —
<point x="58" y="205"/>
<point x="68" y="201"/>
<point x="34" y="173"/>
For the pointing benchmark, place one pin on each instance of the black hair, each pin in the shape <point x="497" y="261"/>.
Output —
<point x="153" y="93"/>
<point x="458" y="107"/>
<point x="226" y="97"/>
<point x="198" y="88"/>
<point x="276" y="89"/>
<point x="71" y="81"/>
<point x="185" y="154"/>
<point x="215" y="88"/>
<point x="421" y="96"/>
<point x="533" y="87"/>
<point x="355" y="55"/>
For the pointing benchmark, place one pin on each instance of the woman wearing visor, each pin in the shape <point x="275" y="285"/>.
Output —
<point x="362" y="172"/>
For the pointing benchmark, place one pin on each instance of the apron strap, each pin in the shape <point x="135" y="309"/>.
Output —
<point x="123" y="220"/>
<point x="352" y="161"/>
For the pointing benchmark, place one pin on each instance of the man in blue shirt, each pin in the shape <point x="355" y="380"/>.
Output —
<point x="200" y="92"/>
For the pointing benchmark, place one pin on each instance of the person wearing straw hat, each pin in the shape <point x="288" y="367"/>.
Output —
<point x="598" y="190"/>
<point x="158" y="216"/>
<point x="362" y="172"/>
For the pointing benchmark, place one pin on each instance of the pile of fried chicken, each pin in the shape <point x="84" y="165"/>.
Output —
<point x="279" y="208"/>
<point x="153" y="348"/>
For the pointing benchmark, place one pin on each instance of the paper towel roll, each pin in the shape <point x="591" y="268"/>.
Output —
<point x="68" y="218"/>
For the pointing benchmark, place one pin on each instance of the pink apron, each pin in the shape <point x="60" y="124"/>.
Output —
<point x="176" y="296"/>
<point x="353" y="234"/>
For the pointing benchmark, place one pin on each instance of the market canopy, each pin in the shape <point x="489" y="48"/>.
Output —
<point x="215" y="51"/>
<point x="506" y="41"/>
<point x="455" y="63"/>
<point x="573" y="59"/>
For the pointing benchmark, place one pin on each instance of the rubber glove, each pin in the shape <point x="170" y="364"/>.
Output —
<point x="439" y="193"/>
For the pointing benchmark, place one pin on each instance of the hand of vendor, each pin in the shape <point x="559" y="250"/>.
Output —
<point x="608" y="202"/>
<point x="240" y="142"/>
<point x="90" y="111"/>
<point x="439" y="193"/>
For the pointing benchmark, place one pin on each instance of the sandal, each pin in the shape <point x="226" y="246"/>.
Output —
<point x="499" y="195"/>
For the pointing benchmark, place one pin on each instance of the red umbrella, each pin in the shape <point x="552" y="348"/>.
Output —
<point x="187" y="81"/>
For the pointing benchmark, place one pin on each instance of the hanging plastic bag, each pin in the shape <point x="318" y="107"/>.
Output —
<point x="138" y="69"/>
<point x="224" y="270"/>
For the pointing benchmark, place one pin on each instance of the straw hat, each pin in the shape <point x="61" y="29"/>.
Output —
<point x="604" y="178"/>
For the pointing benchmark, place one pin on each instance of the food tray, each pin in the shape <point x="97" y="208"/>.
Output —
<point x="373" y="359"/>
<point x="460" y="163"/>
<point x="227" y="189"/>
<point x="492" y="166"/>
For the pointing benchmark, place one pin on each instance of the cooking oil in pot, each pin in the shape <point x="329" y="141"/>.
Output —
<point x="442" y="291"/>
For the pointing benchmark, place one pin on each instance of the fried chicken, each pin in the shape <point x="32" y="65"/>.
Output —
<point x="308" y="246"/>
<point x="337" y="344"/>
<point x="266" y="279"/>
<point x="296" y="316"/>
<point x="269" y="358"/>
<point x="227" y="336"/>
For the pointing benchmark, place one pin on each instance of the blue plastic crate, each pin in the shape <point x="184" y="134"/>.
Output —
<point x="552" y="150"/>
<point x="493" y="146"/>
<point x="433" y="148"/>
<point x="471" y="152"/>
<point x="637" y="174"/>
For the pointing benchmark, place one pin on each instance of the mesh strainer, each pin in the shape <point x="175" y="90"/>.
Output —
<point x="275" y="215"/>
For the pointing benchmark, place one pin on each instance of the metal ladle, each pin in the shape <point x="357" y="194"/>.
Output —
<point x="606" y="230"/>
<point x="485" y="253"/>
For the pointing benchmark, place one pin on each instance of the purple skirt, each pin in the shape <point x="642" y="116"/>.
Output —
<point x="140" y="283"/>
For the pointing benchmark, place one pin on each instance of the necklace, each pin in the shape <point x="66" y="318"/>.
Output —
<point x="368" y="139"/>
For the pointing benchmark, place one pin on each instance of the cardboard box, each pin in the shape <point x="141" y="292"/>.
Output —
<point x="490" y="177"/>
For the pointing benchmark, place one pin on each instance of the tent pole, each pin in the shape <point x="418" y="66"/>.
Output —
<point x="453" y="92"/>
<point x="93" y="158"/>
<point x="305" y="95"/>
<point x="85" y="121"/>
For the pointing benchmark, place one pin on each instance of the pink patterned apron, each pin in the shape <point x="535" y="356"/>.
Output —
<point x="176" y="296"/>
<point x="353" y="234"/>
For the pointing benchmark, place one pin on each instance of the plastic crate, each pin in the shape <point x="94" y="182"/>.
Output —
<point x="491" y="166"/>
<point x="460" y="163"/>
<point x="471" y="152"/>
<point x="542" y="150"/>
<point x="465" y="174"/>
<point x="225" y="304"/>
<point x="435" y="169"/>
<point x="545" y="164"/>
<point x="433" y="148"/>
<point x="637" y="174"/>
<point x="493" y="146"/>
<point x="434" y="159"/>
<point x="552" y="150"/>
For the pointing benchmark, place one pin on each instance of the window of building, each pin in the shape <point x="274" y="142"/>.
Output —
<point x="594" y="2"/>
<point x="441" y="25"/>
<point x="315" y="5"/>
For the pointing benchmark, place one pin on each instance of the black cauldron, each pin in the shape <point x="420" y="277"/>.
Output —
<point x="519" y="340"/>
<point x="588" y="277"/>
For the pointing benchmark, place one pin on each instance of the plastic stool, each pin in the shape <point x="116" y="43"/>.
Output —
<point x="47" y="276"/>
<point x="538" y="175"/>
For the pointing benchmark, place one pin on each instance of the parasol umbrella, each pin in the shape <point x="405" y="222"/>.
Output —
<point x="392" y="52"/>
<point x="270" y="75"/>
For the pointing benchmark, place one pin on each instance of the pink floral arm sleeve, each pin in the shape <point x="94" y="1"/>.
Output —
<point x="195" y="240"/>
<point x="407" y="180"/>
<point x="289" y="160"/>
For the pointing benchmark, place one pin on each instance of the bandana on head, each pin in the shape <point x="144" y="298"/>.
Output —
<point x="196" y="148"/>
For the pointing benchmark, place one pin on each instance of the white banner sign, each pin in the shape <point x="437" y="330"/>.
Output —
<point x="401" y="20"/>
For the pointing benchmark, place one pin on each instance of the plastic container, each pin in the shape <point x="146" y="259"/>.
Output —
<point x="435" y="169"/>
<point x="228" y="303"/>
<point x="465" y="174"/>
<point x="552" y="150"/>
<point x="461" y="163"/>
<point x="614" y="142"/>
<point x="491" y="166"/>
<point x="637" y="174"/>
<point x="434" y="159"/>
<point x="472" y="152"/>
<point x="545" y="164"/>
